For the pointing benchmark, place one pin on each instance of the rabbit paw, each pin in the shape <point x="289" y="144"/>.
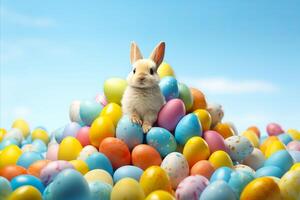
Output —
<point x="136" y="119"/>
<point x="146" y="127"/>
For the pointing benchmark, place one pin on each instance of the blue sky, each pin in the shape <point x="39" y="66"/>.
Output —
<point x="241" y="54"/>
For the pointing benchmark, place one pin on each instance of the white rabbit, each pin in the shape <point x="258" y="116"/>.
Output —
<point x="142" y="98"/>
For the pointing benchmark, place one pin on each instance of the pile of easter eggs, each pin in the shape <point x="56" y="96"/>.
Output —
<point x="100" y="154"/>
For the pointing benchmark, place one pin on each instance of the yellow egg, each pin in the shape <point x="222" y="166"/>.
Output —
<point x="22" y="125"/>
<point x="127" y="189"/>
<point x="40" y="134"/>
<point x="204" y="117"/>
<point x="10" y="155"/>
<point x="155" y="178"/>
<point x="113" y="111"/>
<point x="2" y="133"/>
<point x="114" y="89"/>
<point x="252" y="137"/>
<point x="220" y="159"/>
<point x="160" y="195"/>
<point x="295" y="134"/>
<point x="164" y="70"/>
<point x="267" y="142"/>
<point x="195" y="149"/>
<point x="80" y="166"/>
<point x="101" y="128"/>
<point x="98" y="175"/>
<point x="295" y="166"/>
<point x="274" y="147"/>
<point x="289" y="185"/>
<point x="26" y="193"/>
<point x="224" y="130"/>
<point x="69" y="149"/>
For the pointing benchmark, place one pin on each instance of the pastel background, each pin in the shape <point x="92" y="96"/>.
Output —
<point x="241" y="54"/>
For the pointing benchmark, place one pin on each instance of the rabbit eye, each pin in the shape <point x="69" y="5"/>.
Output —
<point x="151" y="71"/>
<point x="134" y="70"/>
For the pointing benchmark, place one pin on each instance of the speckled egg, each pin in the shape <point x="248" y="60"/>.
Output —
<point x="238" y="147"/>
<point x="255" y="160"/>
<point x="169" y="88"/>
<point x="289" y="185"/>
<point x="191" y="187"/>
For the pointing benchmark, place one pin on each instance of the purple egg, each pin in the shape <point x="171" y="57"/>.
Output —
<point x="274" y="129"/>
<point x="71" y="129"/>
<point x="214" y="140"/>
<point x="191" y="187"/>
<point x="294" y="146"/>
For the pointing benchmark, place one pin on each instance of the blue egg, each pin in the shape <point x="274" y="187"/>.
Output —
<point x="127" y="171"/>
<point x="238" y="181"/>
<point x="58" y="134"/>
<point x="26" y="141"/>
<point x="295" y="155"/>
<point x="69" y="185"/>
<point x="26" y="179"/>
<point x="218" y="190"/>
<point x="8" y="141"/>
<point x="100" y="190"/>
<point x="71" y="129"/>
<point x="47" y="195"/>
<point x="285" y="138"/>
<point x="269" y="171"/>
<point x="281" y="159"/>
<point x="131" y="133"/>
<point x="162" y="140"/>
<point x="39" y="145"/>
<point x="188" y="127"/>
<point x="169" y="88"/>
<point x="222" y="173"/>
<point x="89" y="111"/>
<point x="28" y="158"/>
<point x="5" y="188"/>
<point x="98" y="160"/>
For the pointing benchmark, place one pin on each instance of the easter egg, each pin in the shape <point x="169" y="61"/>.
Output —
<point x="74" y="112"/>
<point x="113" y="111"/>
<point x="7" y="142"/>
<point x="203" y="168"/>
<point x="275" y="146"/>
<point x="58" y="134"/>
<point x="100" y="190"/>
<point x="83" y="136"/>
<point x="39" y="145"/>
<point x="2" y="133"/>
<point x="170" y="114"/>
<point x="281" y="159"/>
<point x="238" y="147"/>
<point x="89" y="111"/>
<point x="127" y="171"/>
<point x="26" y="193"/>
<point x="266" y="142"/>
<point x="295" y="134"/>
<point x="52" y="169"/>
<point x="295" y="166"/>
<point x="199" y="101"/>
<point x="22" y="125"/>
<point x="127" y="188"/>
<point x="14" y="133"/>
<point x="35" y="168"/>
<point x="99" y="175"/>
<point x="27" y="158"/>
<point x="69" y="149"/>
<point x="99" y="161"/>
<point x="285" y="138"/>
<point x="70" y="129"/>
<point x="218" y="190"/>
<point x="185" y="95"/>
<point x="244" y="168"/>
<point x="10" y="155"/>
<point x="195" y="149"/>
<point x="294" y="146"/>
<point x="116" y="150"/>
<point x="144" y="156"/>
<point x="68" y="185"/>
<point x="11" y="171"/>
<point x="214" y="141"/>
<point x="52" y="151"/>
<point x="164" y="70"/>
<point x="255" y="160"/>
<point x="274" y="129"/>
<point x="26" y="179"/>
<point x="261" y="188"/>
<point x="222" y="173"/>
<point x="155" y="178"/>
<point x="162" y="140"/>
<point x="100" y="98"/>
<point x="80" y="166"/>
<point x="188" y="127"/>
<point x="40" y="134"/>
<point x="131" y="133"/>
<point x="169" y="88"/>
<point x="5" y="188"/>
<point x="269" y="171"/>
<point x="191" y="188"/>
<point x="295" y="155"/>
<point x="176" y="167"/>
<point x="238" y="181"/>
<point x="101" y="128"/>
<point x="289" y="185"/>
<point x="224" y="130"/>
<point x="255" y="130"/>
<point x="204" y="118"/>
<point x="86" y="152"/>
<point x="160" y="195"/>
<point x="220" y="159"/>
<point x="252" y="137"/>
<point x="114" y="89"/>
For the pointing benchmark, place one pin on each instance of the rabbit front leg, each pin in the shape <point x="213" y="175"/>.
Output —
<point x="135" y="118"/>
<point x="149" y="120"/>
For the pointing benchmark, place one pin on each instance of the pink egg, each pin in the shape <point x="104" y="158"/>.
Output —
<point x="52" y="151"/>
<point x="214" y="140"/>
<point x="274" y="129"/>
<point x="170" y="114"/>
<point x="100" y="98"/>
<point x="294" y="146"/>
<point x="191" y="187"/>
<point x="83" y="135"/>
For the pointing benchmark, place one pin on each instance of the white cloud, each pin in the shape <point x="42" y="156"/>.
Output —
<point x="216" y="85"/>
<point x="21" y="112"/>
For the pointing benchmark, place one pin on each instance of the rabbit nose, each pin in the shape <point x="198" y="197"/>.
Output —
<point x="142" y="78"/>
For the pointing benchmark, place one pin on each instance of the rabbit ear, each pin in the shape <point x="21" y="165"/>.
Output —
<point x="135" y="53"/>
<point x="158" y="53"/>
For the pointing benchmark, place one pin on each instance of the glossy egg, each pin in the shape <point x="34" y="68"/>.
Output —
<point x="220" y="159"/>
<point x="203" y="168"/>
<point x="114" y="89"/>
<point x="83" y="136"/>
<point x="255" y="160"/>
<point x="285" y="138"/>
<point x="89" y="111"/>
<point x="70" y="129"/>
<point x="218" y="190"/>
<point x="238" y="181"/>
<point x="99" y="175"/>
<point x="269" y="171"/>
<point x="41" y="134"/>
<point x="162" y="140"/>
<point x="26" y="179"/>
<point x="289" y="185"/>
<point x="28" y="158"/>
<point x="113" y="111"/>
<point x="69" y="149"/>
<point x="185" y="95"/>
<point x="164" y="70"/>
<point x="128" y="171"/>
<point x="101" y="128"/>
<point x="144" y="156"/>
<point x="86" y="152"/>
<point x="100" y="190"/>
<point x="255" y="129"/>
<point x="80" y="166"/>
<point x="10" y="155"/>
<point x="214" y="140"/>
<point x="238" y="147"/>
<point x="204" y="118"/>
<point x="5" y="188"/>
<point x="225" y="130"/>
<point x="99" y="161"/>
<point x="222" y="173"/>
<point x="281" y="159"/>
<point x="274" y="129"/>
<point x="11" y="171"/>
<point x="160" y="194"/>
<point x="244" y="168"/>
<point x="170" y="114"/>
<point x="26" y="193"/>
<point x="35" y="168"/>
<point x="191" y="188"/>
<point x="39" y="145"/>
<point x="199" y="101"/>
<point x="127" y="188"/>
<point x="252" y="137"/>
<point x="169" y="88"/>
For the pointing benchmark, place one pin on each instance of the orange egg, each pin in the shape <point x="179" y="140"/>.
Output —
<point x="35" y="168"/>
<point x="11" y="171"/>
<point x="199" y="100"/>
<point x="116" y="150"/>
<point x="204" y="168"/>
<point x="255" y="130"/>
<point x="224" y="129"/>
<point x="144" y="156"/>
<point x="261" y="188"/>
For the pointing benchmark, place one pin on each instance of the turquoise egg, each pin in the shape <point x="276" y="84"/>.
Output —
<point x="169" y="88"/>
<point x="222" y="173"/>
<point x="8" y="141"/>
<point x="39" y="145"/>
<point x="100" y="190"/>
<point x="269" y="171"/>
<point x="58" y="134"/>
<point x="162" y="140"/>
<point x="281" y="159"/>
<point x="128" y="171"/>
<point x="47" y="195"/>
<point x="5" y="188"/>
<point x="26" y="179"/>
<point x="218" y="190"/>
<point x="98" y="160"/>
<point x="131" y="133"/>
<point x="89" y="110"/>
<point x="238" y="181"/>
<point x="185" y="95"/>
<point x="188" y="127"/>
<point x="285" y="138"/>
<point x="28" y="158"/>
